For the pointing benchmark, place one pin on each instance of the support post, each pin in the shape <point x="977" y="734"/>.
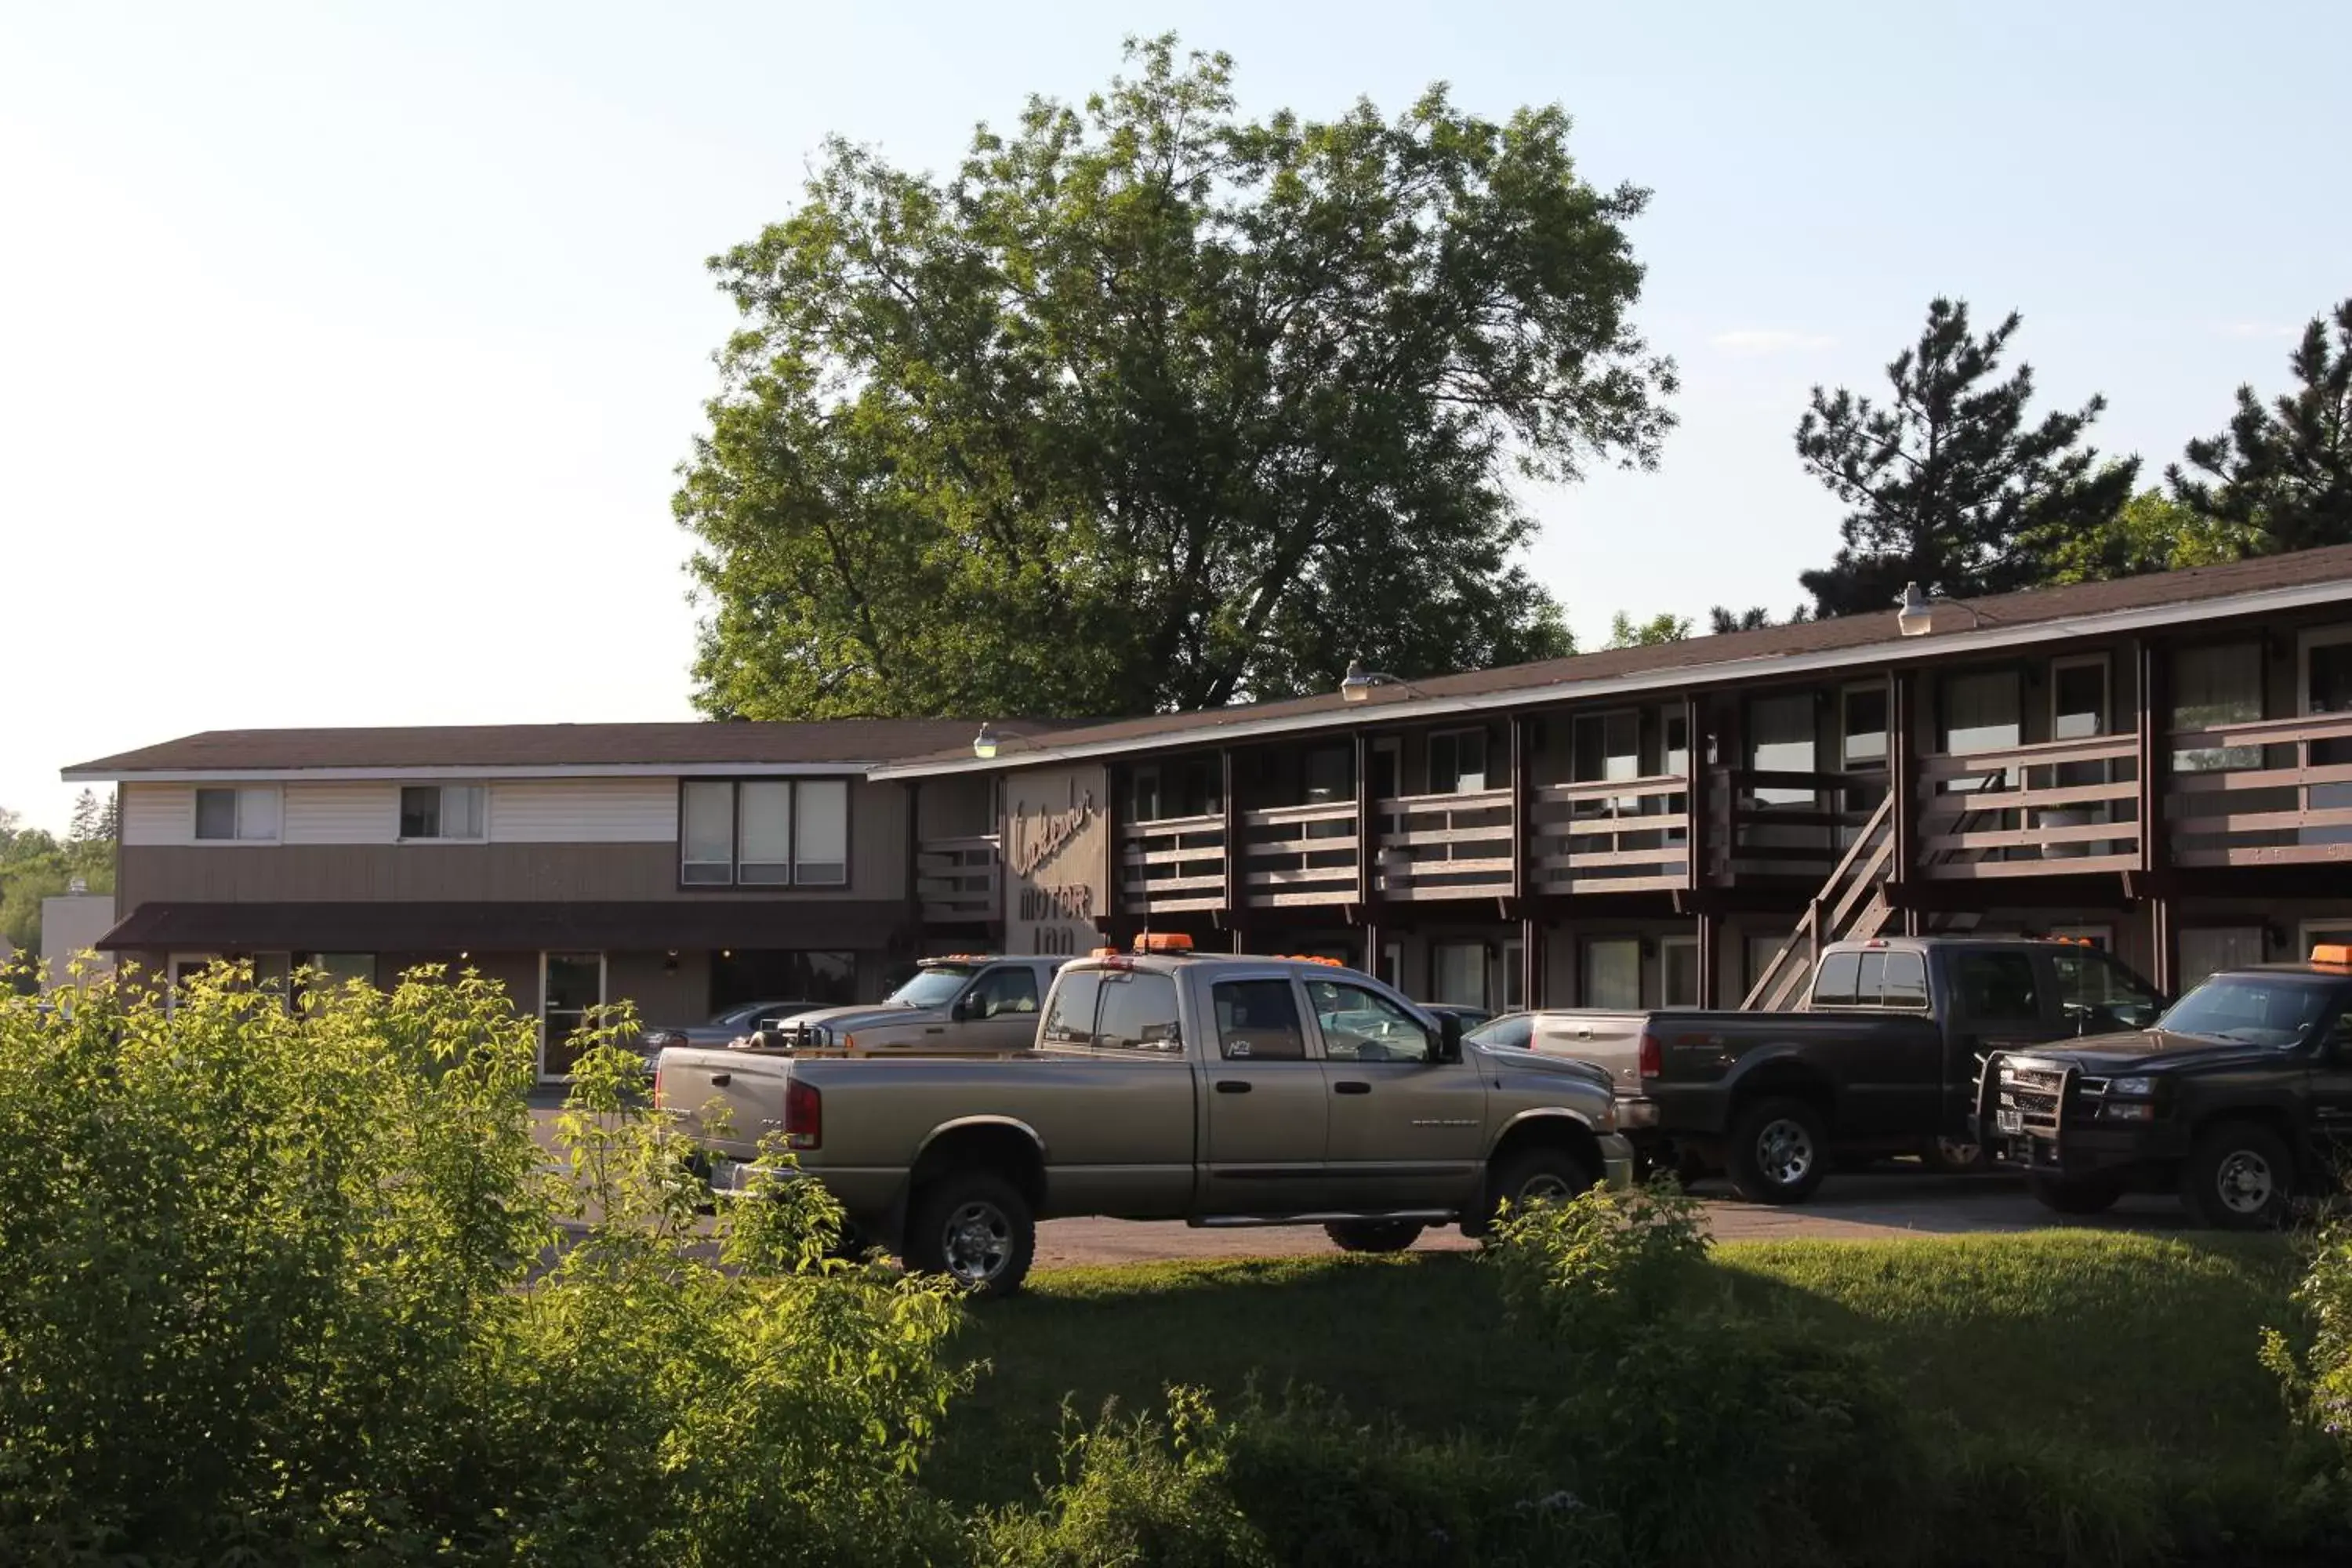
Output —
<point x="1365" y="843"/>
<point x="1695" y="776"/>
<point x="1232" y="835"/>
<point x="2164" y="968"/>
<point x="1522" y="760"/>
<point x="1531" y="962"/>
<point x="1710" y="939"/>
<point x="2152" y="676"/>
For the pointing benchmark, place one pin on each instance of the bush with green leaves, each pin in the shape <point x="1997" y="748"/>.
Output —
<point x="1706" y="1432"/>
<point x="285" y="1283"/>
<point x="2319" y="1377"/>
<point x="1136" y="1493"/>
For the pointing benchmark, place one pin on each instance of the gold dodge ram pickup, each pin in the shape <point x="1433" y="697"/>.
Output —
<point x="1217" y="1090"/>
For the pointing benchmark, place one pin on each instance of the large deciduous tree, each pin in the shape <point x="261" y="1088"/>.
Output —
<point x="2281" y="477"/>
<point x="1149" y="405"/>
<point x="1951" y="483"/>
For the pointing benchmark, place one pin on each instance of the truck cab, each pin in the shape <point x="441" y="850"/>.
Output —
<point x="2239" y="1097"/>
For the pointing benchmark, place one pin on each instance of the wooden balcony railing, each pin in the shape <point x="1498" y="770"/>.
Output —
<point x="2056" y="807"/>
<point x="1446" y="846"/>
<point x="1624" y="835"/>
<point x="2271" y="793"/>
<point x="956" y="879"/>
<point x="1175" y="863"/>
<point x="1771" y="823"/>
<point x="1299" y="854"/>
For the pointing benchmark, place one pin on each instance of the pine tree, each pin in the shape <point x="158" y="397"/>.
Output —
<point x="2282" y="477"/>
<point x="1950" y="485"/>
<point x="85" y="826"/>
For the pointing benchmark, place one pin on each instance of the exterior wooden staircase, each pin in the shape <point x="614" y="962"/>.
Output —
<point x="1850" y="906"/>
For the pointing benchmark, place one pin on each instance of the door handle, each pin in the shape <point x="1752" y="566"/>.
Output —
<point x="935" y="1029"/>
<point x="722" y="1080"/>
<point x="1350" y="1086"/>
<point x="1232" y="1085"/>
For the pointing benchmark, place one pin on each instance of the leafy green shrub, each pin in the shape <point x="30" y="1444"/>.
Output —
<point x="1135" y="1494"/>
<point x="2318" y="1377"/>
<point x="1331" y="1493"/>
<point x="1588" y="1272"/>
<point x="284" y="1284"/>
<point x="1707" y="1434"/>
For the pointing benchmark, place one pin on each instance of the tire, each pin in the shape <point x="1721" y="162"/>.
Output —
<point x="2239" y="1175"/>
<point x="975" y="1227"/>
<point x="1778" y="1151"/>
<point x="2082" y="1196"/>
<point x="1373" y="1235"/>
<point x="1544" y="1173"/>
<point x="1954" y="1156"/>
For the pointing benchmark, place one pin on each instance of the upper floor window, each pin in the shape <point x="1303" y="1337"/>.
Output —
<point x="763" y="832"/>
<point x="248" y="813"/>
<point x="442" y="811"/>
<point x="1457" y="761"/>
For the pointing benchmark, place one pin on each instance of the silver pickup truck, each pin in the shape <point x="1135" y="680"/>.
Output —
<point x="965" y="1004"/>
<point x="1216" y="1090"/>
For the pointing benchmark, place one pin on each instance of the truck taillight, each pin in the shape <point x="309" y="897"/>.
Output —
<point x="804" y="1114"/>
<point x="1653" y="1055"/>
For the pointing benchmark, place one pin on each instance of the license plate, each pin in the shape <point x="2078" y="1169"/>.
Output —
<point x="2009" y="1121"/>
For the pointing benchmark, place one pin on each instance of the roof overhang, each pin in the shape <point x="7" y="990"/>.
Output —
<point x="87" y="774"/>
<point x="1979" y="640"/>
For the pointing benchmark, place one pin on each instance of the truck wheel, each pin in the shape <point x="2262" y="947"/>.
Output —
<point x="1954" y="1156"/>
<point x="1373" y="1235"/>
<point x="975" y="1227"/>
<point x="2083" y="1194"/>
<point x="2239" y="1176"/>
<point x="1778" y="1152"/>
<point x="1540" y="1174"/>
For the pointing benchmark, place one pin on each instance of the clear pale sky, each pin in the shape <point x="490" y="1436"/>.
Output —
<point x="346" y="352"/>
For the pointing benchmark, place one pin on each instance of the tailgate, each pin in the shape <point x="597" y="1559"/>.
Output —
<point x="1609" y="1041"/>
<point x="733" y="1098"/>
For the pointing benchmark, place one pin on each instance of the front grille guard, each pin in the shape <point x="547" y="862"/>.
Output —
<point x="2041" y="1098"/>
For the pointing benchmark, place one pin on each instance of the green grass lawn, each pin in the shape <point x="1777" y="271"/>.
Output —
<point x="2127" y="1351"/>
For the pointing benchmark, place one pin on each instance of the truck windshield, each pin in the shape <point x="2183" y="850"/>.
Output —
<point x="2258" y="1009"/>
<point x="934" y="985"/>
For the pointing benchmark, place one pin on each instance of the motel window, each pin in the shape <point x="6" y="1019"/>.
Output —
<point x="1780" y="740"/>
<point x="763" y="832"/>
<point x="1613" y="974"/>
<point x="1330" y="774"/>
<point x="1678" y="971"/>
<point x="1457" y="974"/>
<point x="1862" y="713"/>
<point x="2212" y="687"/>
<point x="1457" y="761"/>
<point x="245" y="814"/>
<point x="451" y="812"/>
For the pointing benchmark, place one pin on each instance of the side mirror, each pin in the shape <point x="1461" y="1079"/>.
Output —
<point x="1449" y="1037"/>
<point x="961" y="1008"/>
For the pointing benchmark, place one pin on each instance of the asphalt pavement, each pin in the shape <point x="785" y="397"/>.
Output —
<point x="1897" y="1199"/>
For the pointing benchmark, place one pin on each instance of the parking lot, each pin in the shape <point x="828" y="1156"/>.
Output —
<point x="1896" y="1200"/>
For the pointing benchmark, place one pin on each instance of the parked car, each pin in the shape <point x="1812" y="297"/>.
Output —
<point x="1513" y="1031"/>
<point x="1883" y="1058"/>
<point x="723" y="1028"/>
<point x="2239" y="1099"/>
<point x="1216" y="1090"/>
<point x="971" y="1004"/>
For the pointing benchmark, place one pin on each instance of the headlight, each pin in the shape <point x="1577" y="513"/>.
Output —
<point x="2140" y="1088"/>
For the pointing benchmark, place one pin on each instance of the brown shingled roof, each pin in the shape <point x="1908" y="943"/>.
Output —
<point x="845" y="740"/>
<point x="2031" y="606"/>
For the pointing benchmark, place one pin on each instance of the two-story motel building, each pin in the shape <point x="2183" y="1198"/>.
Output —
<point x="2162" y="765"/>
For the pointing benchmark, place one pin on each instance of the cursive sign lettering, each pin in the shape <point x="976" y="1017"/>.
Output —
<point x="1035" y="837"/>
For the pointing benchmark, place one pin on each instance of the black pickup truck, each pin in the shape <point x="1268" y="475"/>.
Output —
<point x="1883" y="1058"/>
<point x="2240" y="1099"/>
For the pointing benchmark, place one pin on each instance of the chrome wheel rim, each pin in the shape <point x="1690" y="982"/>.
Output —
<point x="1544" y="1187"/>
<point x="2244" y="1182"/>
<point x="1784" y="1152"/>
<point x="977" y="1242"/>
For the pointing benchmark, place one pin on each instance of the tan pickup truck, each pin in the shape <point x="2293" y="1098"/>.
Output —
<point x="1216" y="1090"/>
<point x="968" y="1005"/>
